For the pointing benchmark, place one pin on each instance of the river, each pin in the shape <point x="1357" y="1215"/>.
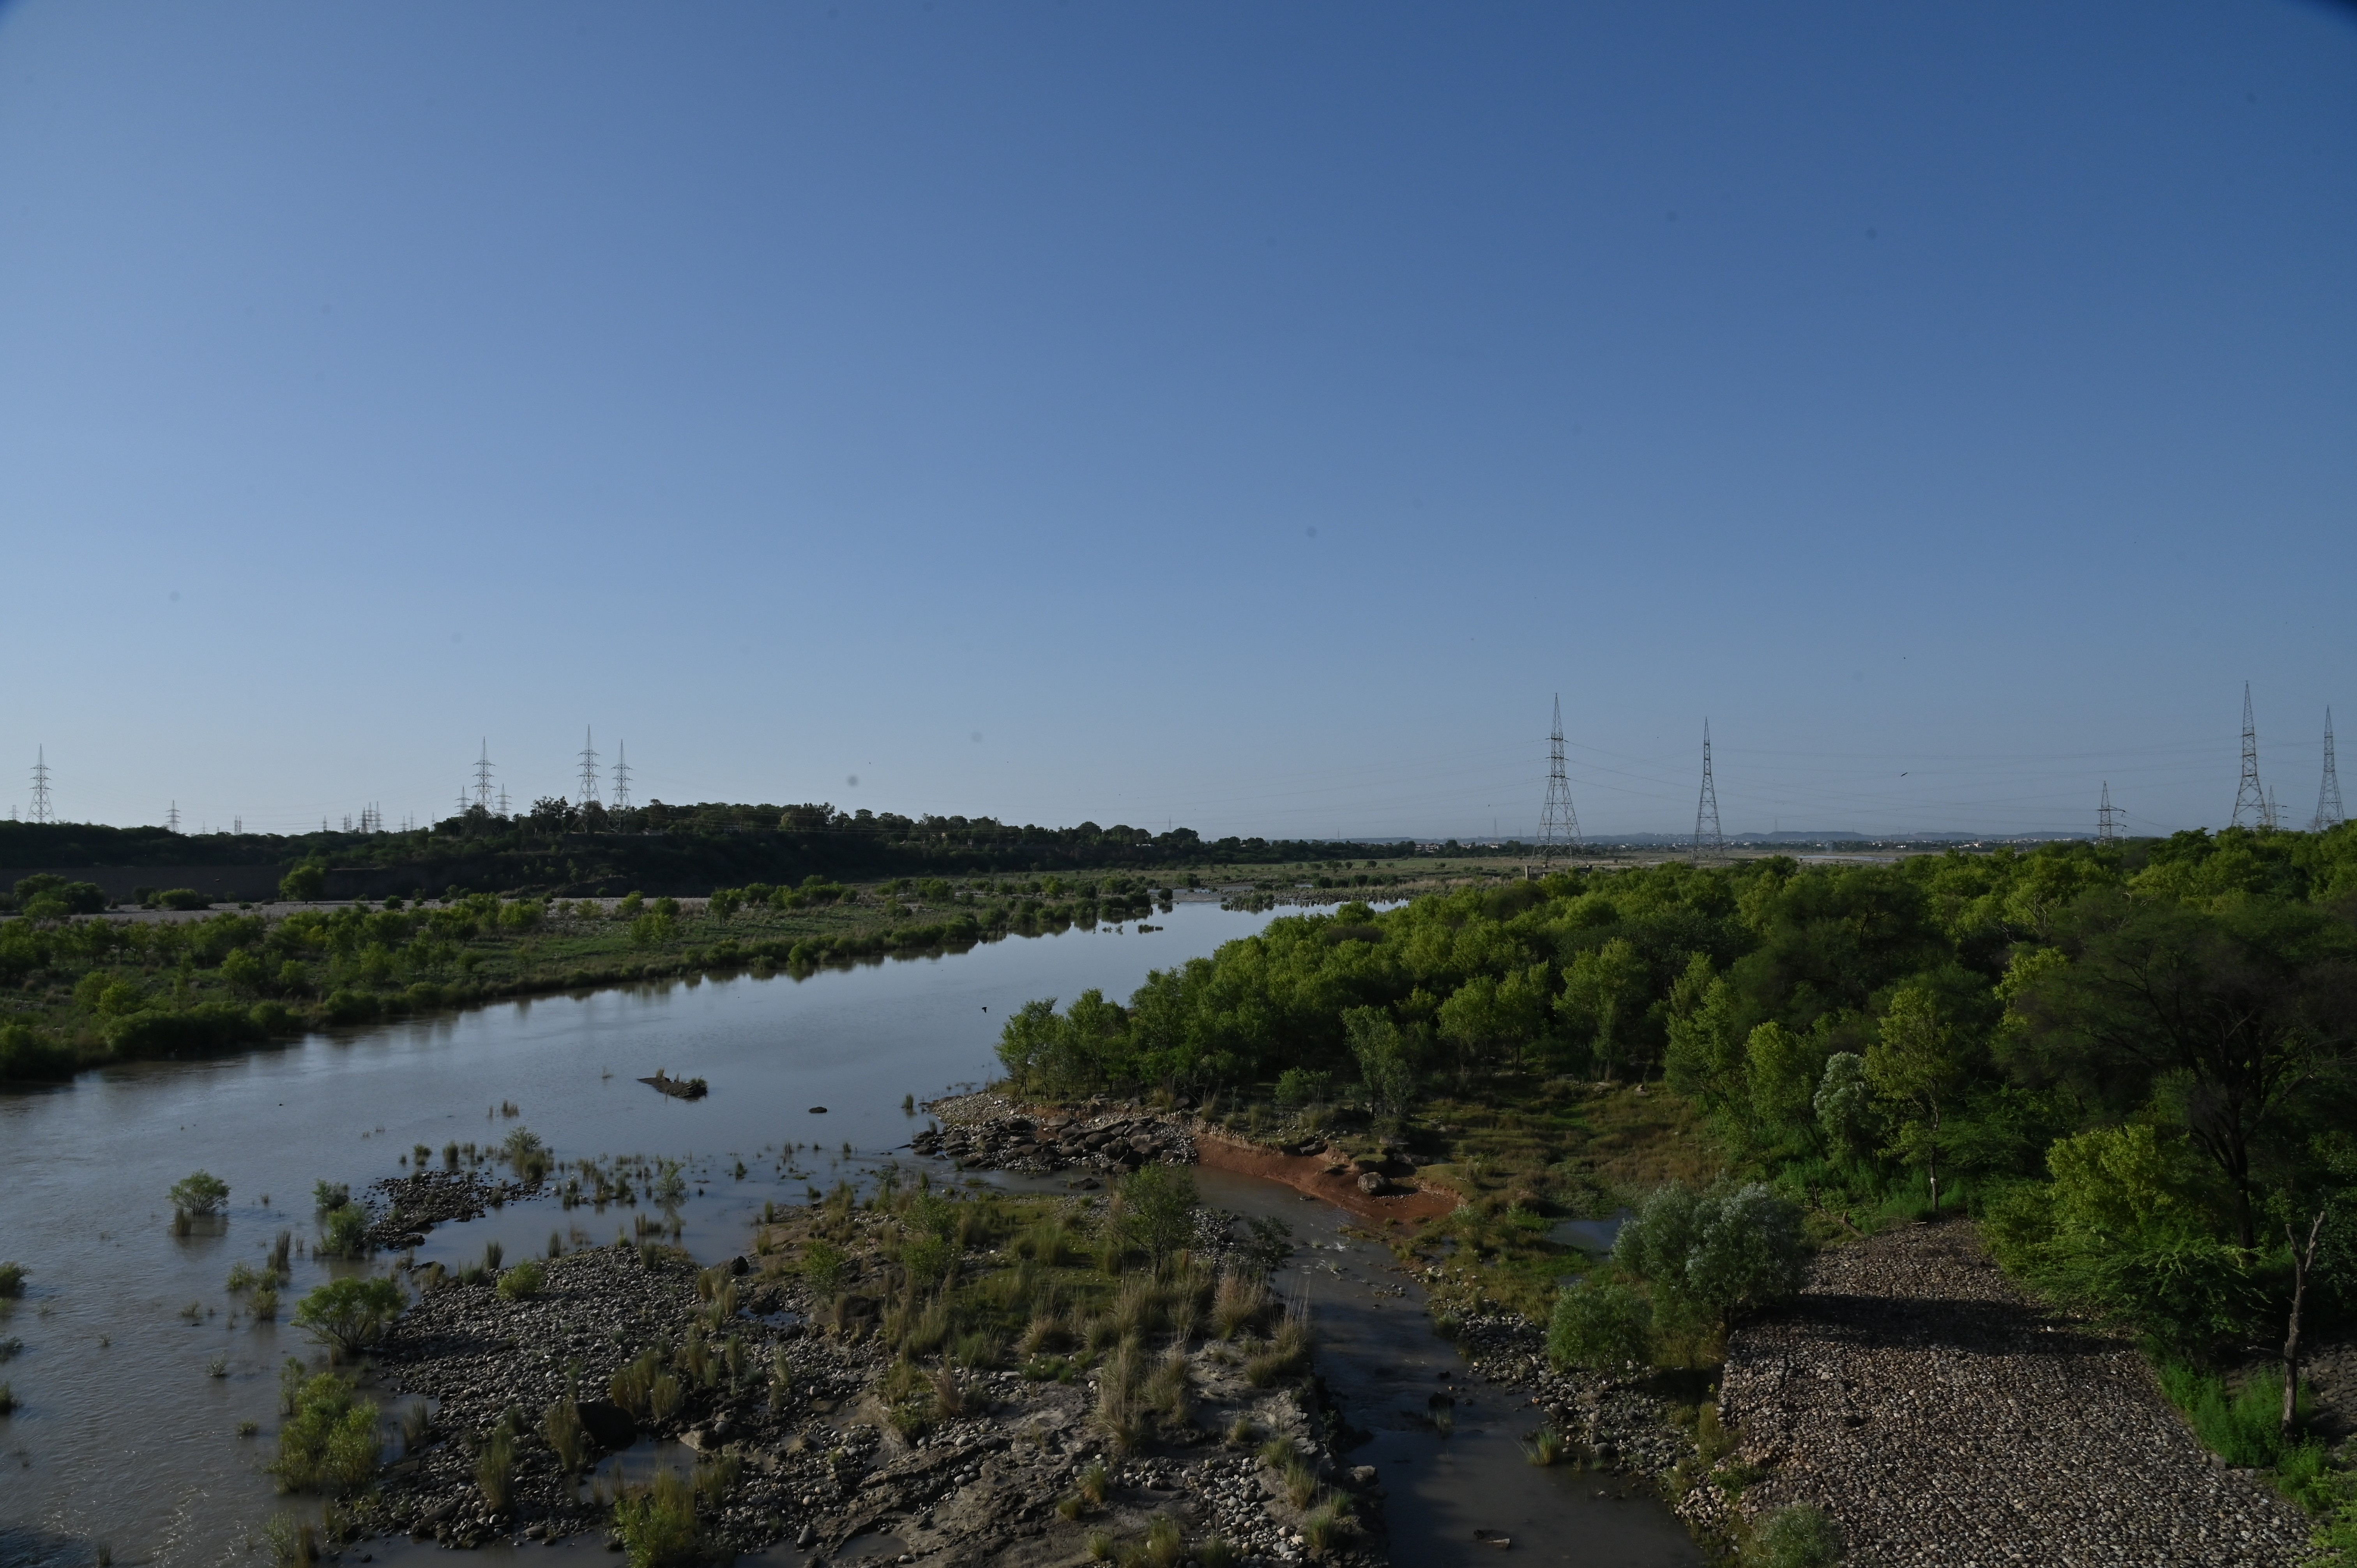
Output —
<point x="136" y="1367"/>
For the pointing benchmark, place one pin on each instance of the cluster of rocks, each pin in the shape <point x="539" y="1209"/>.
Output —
<point x="403" y="1208"/>
<point x="986" y="1132"/>
<point x="1938" y="1416"/>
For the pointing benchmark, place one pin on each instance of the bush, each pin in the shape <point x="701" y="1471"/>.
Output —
<point x="1797" y="1537"/>
<point x="304" y="882"/>
<point x="346" y="1006"/>
<point x="29" y="1056"/>
<point x="344" y="1234"/>
<point x="199" y="1193"/>
<point x="329" y="1443"/>
<point x="1708" y="1257"/>
<point x="522" y="1281"/>
<point x="2245" y="1427"/>
<point x="657" y="1526"/>
<point x="1158" y="1210"/>
<point x="12" y="1281"/>
<point x="206" y="1026"/>
<point x="1600" y="1324"/>
<point x="349" y="1315"/>
<point x="182" y="898"/>
<point x="1298" y="1086"/>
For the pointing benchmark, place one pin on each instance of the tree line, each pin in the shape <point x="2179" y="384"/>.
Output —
<point x="2133" y="1061"/>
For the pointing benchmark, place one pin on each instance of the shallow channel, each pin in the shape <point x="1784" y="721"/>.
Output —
<point x="136" y="1369"/>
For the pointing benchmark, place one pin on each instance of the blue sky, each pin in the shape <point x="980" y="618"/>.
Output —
<point x="1248" y="417"/>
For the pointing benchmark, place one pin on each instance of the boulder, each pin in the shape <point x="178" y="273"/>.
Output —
<point x="609" y="1426"/>
<point x="1374" y="1184"/>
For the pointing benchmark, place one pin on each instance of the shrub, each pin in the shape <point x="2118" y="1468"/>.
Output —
<point x="349" y="1315"/>
<point x="199" y="1193"/>
<point x="182" y="898"/>
<point x="12" y="1281"/>
<point x="29" y="1056"/>
<point x="1706" y="1257"/>
<point x="206" y="1026"/>
<point x="1796" y="1536"/>
<point x="2244" y="1427"/>
<point x="1600" y="1324"/>
<point x="522" y="1281"/>
<point x="567" y="1436"/>
<point x="329" y="1443"/>
<point x="1158" y="1210"/>
<point x="823" y="1266"/>
<point x="348" y="1006"/>
<point x="657" y="1526"/>
<point x="344" y="1234"/>
<point x="1298" y="1086"/>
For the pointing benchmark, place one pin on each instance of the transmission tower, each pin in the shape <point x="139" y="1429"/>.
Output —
<point x="588" y="767"/>
<point x="172" y="818"/>
<point x="1558" y="823"/>
<point x="483" y="776"/>
<point x="41" y="785"/>
<point x="2107" y="818"/>
<point x="2328" y="814"/>
<point x="464" y="804"/>
<point x="503" y="800"/>
<point x="2251" y="807"/>
<point x="1706" y="832"/>
<point x="621" y="775"/>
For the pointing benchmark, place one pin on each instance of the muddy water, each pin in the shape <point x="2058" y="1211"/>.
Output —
<point x="137" y="1368"/>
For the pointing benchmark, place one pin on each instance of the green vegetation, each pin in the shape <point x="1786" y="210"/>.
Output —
<point x="1797" y="1537"/>
<point x="349" y="1315"/>
<point x="199" y="1194"/>
<point x="2132" y="1063"/>
<point x="522" y="1281"/>
<point x="657" y="1526"/>
<point x="328" y="1443"/>
<point x="12" y="1281"/>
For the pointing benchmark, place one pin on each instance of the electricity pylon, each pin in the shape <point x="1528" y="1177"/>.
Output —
<point x="483" y="776"/>
<point x="588" y="767"/>
<point x="2328" y="814"/>
<point x="2250" y="801"/>
<point x="1706" y="809"/>
<point x="621" y="775"/>
<point x="41" y="785"/>
<point x="2107" y="818"/>
<point x="172" y="818"/>
<point x="1558" y="823"/>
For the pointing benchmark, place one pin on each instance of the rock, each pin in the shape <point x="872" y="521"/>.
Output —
<point x="609" y="1426"/>
<point x="1374" y="1184"/>
<point x="738" y="1266"/>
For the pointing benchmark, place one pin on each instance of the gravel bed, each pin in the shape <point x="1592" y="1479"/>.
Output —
<point x="1940" y="1418"/>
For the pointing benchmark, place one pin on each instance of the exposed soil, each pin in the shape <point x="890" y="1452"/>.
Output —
<point x="1320" y="1177"/>
<point x="1941" y="1418"/>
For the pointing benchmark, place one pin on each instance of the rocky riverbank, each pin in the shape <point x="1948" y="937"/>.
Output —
<point x="795" y="1433"/>
<point x="989" y="1132"/>
<point x="1939" y="1417"/>
<point x="403" y="1208"/>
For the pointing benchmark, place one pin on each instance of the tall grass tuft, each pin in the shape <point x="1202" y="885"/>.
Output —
<point x="1237" y="1303"/>
<point x="495" y="1470"/>
<point x="2244" y="1428"/>
<point x="562" y="1427"/>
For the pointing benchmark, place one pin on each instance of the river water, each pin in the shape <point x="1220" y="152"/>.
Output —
<point x="136" y="1367"/>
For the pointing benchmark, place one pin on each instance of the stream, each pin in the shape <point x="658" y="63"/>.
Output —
<point x="136" y="1369"/>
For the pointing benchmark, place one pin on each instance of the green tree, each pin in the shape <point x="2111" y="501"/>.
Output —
<point x="2229" y="1013"/>
<point x="1158" y="1210"/>
<point x="1784" y="1070"/>
<point x="1600" y="1324"/>
<point x="1605" y="995"/>
<point x="1386" y="1056"/>
<point x="1844" y="1105"/>
<point x="304" y="882"/>
<point x="1918" y="1067"/>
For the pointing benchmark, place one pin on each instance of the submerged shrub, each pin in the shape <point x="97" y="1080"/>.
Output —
<point x="199" y="1193"/>
<point x="344" y="1232"/>
<point x="329" y="1443"/>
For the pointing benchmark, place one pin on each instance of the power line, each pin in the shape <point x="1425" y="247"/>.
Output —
<point x="1558" y="823"/>
<point x="41" y="785"/>
<point x="2328" y="814"/>
<point x="2107" y="818"/>
<point x="588" y="767"/>
<point x="2249" y="799"/>
<point x="1706" y="809"/>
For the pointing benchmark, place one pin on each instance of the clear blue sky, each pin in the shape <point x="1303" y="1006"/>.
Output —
<point x="1247" y="415"/>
